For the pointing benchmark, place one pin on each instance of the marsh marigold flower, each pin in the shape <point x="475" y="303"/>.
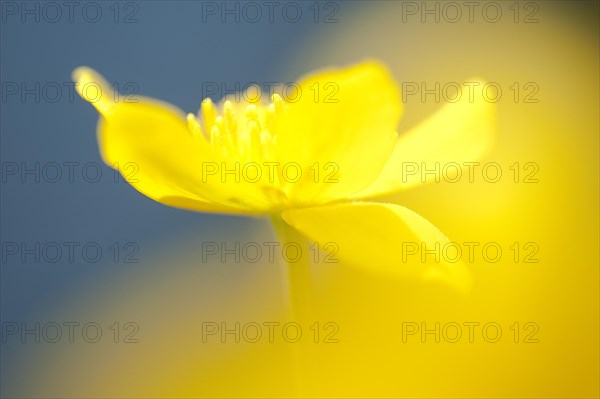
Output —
<point x="311" y="165"/>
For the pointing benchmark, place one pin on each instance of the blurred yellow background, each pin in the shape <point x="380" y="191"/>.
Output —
<point x="176" y="294"/>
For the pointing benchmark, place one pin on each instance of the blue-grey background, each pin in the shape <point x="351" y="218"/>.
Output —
<point x="166" y="49"/>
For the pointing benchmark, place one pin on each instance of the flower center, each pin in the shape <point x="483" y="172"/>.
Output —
<point x="242" y="132"/>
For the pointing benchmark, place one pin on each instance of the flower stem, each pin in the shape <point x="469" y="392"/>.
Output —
<point x="297" y="273"/>
<point x="298" y="296"/>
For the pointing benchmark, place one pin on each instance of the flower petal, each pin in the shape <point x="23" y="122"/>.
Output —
<point x="342" y="127"/>
<point x="459" y="132"/>
<point x="384" y="238"/>
<point x="150" y="143"/>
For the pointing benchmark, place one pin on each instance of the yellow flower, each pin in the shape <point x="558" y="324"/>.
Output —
<point x="309" y="162"/>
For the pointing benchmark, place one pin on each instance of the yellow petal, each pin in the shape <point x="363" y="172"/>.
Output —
<point x="459" y="132"/>
<point x="383" y="238"/>
<point x="340" y="129"/>
<point x="150" y="143"/>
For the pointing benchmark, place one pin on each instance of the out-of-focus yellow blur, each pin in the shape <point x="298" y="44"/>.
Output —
<point x="547" y="312"/>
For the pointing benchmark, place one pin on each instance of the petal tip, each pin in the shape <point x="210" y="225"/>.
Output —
<point x="92" y="87"/>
